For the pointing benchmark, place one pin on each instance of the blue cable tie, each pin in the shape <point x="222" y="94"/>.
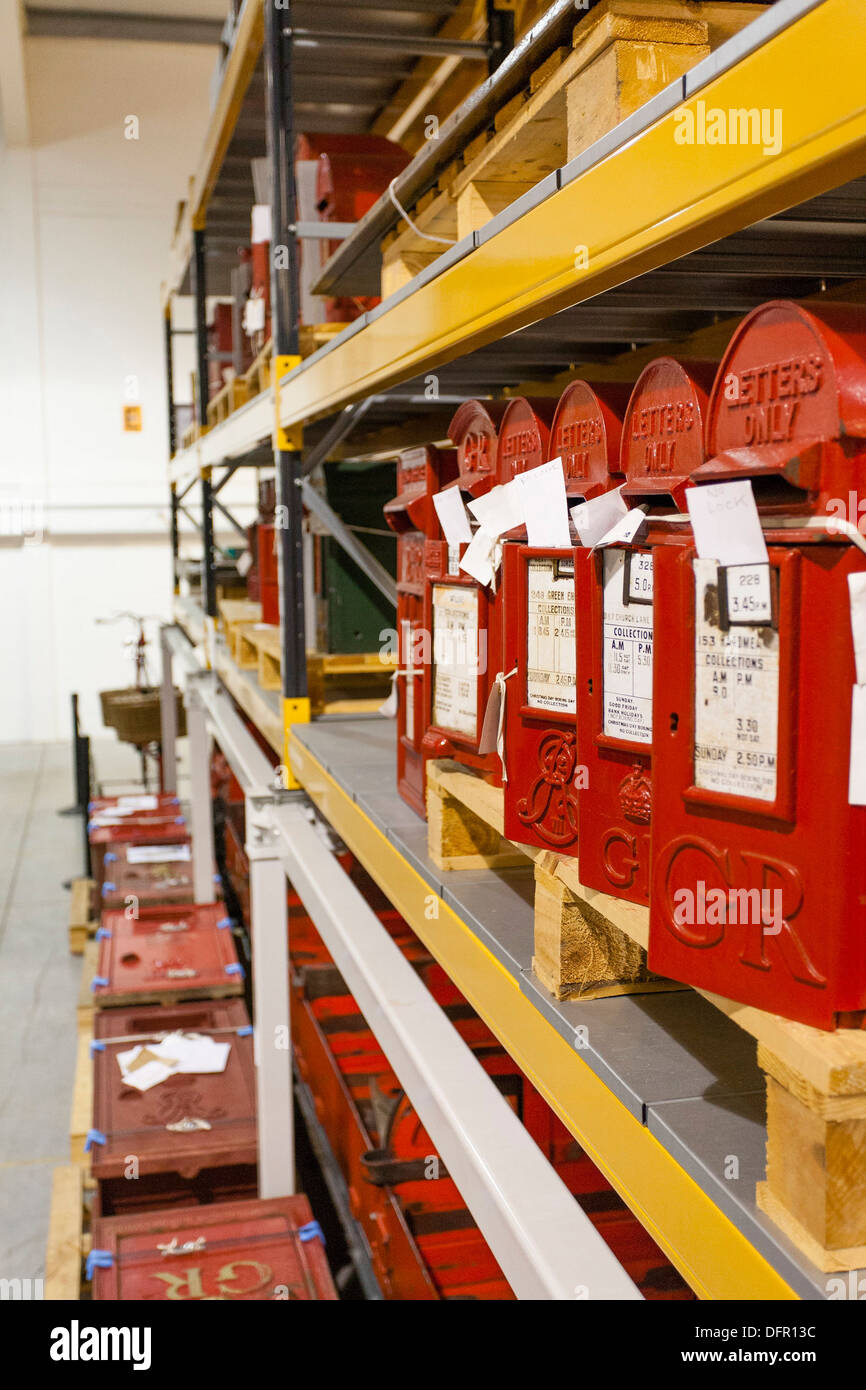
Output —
<point x="175" y="801"/>
<point x="236" y="969"/>
<point x="98" y="1259"/>
<point x="91" y="826"/>
<point x="217" y="878"/>
<point x="90" y="806"/>
<point x="103" y="933"/>
<point x="94" y="1136"/>
<point x="310" y="1232"/>
<point x="108" y="887"/>
<point x="180" y="820"/>
<point x="96" y="1046"/>
<point x="246" y="1031"/>
<point x="224" y="922"/>
<point x="99" y="980"/>
<point x="109" y="858"/>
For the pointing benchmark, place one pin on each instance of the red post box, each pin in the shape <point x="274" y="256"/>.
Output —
<point x="268" y="573"/>
<point x="759" y="860"/>
<point x="188" y="1129"/>
<point x="166" y="953"/>
<point x="465" y="618"/>
<point x="252" y="1250"/>
<point x="662" y="444"/>
<point x="149" y="868"/>
<point x="421" y="473"/>
<point x="538" y="586"/>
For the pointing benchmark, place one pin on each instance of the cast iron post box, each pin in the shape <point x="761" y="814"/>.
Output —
<point x="235" y="1251"/>
<point x="421" y="473"/>
<point x="187" y="1131"/>
<point x="151" y="869"/>
<point x="166" y="953"/>
<point x="759" y="860"/>
<point x="457" y="608"/>
<point x="539" y="640"/>
<point x="125" y="820"/>
<point x="662" y="444"/>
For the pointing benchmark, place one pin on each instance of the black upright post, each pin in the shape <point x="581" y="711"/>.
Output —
<point x="175" y="539"/>
<point x="500" y="34"/>
<point x="197" y="269"/>
<point x="208" y="577"/>
<point x="169" y="382"/>
<point x="285" y="304"/>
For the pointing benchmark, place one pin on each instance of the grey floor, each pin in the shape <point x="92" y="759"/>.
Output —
<point x="39" y="980"/>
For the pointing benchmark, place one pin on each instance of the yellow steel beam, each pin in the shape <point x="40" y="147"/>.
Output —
<point x="709" y="1251"/>
<point x="645" y="205"/>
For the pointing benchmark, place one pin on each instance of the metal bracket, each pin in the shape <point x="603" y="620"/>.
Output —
<point x="290" y="440"/>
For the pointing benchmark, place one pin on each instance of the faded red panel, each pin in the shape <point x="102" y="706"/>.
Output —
<point x="166" y="953"/>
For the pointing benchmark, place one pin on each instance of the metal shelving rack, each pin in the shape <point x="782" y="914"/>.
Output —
<point x="684" y="252"/>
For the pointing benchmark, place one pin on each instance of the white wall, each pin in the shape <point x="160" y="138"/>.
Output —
<point x="85" y="223"/>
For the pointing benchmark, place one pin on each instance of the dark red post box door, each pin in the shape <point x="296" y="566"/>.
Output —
<point x="758" y="859"/>
<point x="262" y="1249"/>
<point x="662" y="444"/>
<point x="421" y="473"/>
<point x="189" y="1121"/>
<point x="166" y="953"/>
<point x="539" y="641"/>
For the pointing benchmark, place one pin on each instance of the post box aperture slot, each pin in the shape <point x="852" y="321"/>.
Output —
<point x="627" y="655"/>
<point x="456" y="666"/>
<point x="551" y="653"/>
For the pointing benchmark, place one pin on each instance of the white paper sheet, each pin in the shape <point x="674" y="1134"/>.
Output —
<point x="594" y="519"/>
<point x="857" y="764"/>
<point x="499" y="510"/>
<point x="452" y="516"/>
<point x="157" y="854"/>
<point x="261" y="223"/>
<point x="726" y="524"/>
<point x="148" y="1064"/>
<point x="857" y="595"/>
<point x="127" y="804"/>
<point x="545" y="507"/>
<point x="624" y="530"/>
<point x="483" y="557"/>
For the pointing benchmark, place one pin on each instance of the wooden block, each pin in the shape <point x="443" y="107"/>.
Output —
<point x="581" y="954"/>
<point x="246" y="653"/>
<point x="398" y="270"/>
<point x="815" y="1169"/>
<point x="63" y="1252"/>
<point x="270" y="664"/>
<point x="547" y="69"/>
<point x="458" y="838"/>
<point x="233" y="611"/>
<point x="81" y="1114"/>
<point x="831" y="1261"/>
<point x="478" y="202"/>
<point x="84" y="1007"/>
<point x="82" y="923"/>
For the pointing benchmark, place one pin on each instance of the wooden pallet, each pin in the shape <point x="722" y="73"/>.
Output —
<point x="246" y="644"/>
<point x="623" y="52"/>
<point x="82" y="919"/>
<point x="235" y="614"/>
<point x="227" y="401"/>
<point x="258" y="376"/>
<point x="816" y="1081"/>
<point x="189" y="436"/>
<point x="84" y="1008"/>
<point x="69" y="1237"/>
<point x="337" y="683"/>
<point x="81" y="1110"/>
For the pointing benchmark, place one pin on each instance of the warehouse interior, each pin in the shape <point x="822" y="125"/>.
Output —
<point x="433" y="754"/>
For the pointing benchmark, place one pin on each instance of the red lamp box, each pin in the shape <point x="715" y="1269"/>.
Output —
<point x="111" y="824"/>
<point x="193" y="1134"/>
<point x="662" y="445"/>
<point x="465" y="618"/>
<point x="263" y="1249"/>
<point x="540" y="802"/>
<point x="166" y="953"/>
<point x="150" y="870"/>
<point x="421" y="473"/>
<point x="759" y="877"/>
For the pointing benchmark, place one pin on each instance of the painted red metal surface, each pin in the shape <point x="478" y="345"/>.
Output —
<point x="268" y="577"/>
<point x="154" y="1140"/>
<point x="166" y="953"/>
<point x="106" y="829"/>
<point x="538" y="590"/>
<point x="759" y="887"/>
<point x="252" y="1250"/>
<point x="421" y="473"/>
<point x="662" y="445"/>
<point x="166" y="878"/>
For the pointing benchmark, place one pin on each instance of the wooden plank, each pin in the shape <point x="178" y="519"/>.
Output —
<point x="84" y="1007"/>
<point x="238" y="610"/>
<point x="81" y="1113"/>
<point x="63" y="1252"/>
<point x="82" y="923"/>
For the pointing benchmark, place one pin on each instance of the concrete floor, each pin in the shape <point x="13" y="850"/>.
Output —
<point x="39" y="980"/>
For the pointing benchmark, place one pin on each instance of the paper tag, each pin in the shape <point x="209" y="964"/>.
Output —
<point x="482" y="558"/>
<point x="157" y="854"/>
<point x="454" y="559"/>
<point x="261" y="223"/>
<point x="545" y="508"/>
<point x="624" y="530"/>
<point x="550" y="638"/>
<point x="749" y="597"/>
<point x="127" y="804"/>
<point x="389" y="705"/>
<point x="254" y="315"/>
<point x="857" y="765"/>
<point x="726" y="524"/>
<point x="627" y="657"/>
<point x="857" y="597"/>
<point x="455" y="657"/>
<point x="452" y="516"/>
<point x="593" y="519"/>
<point x="501" y="509"/>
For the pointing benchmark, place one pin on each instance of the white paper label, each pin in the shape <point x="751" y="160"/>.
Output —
<point x="451" y="512"/>
<point x="640" y="576"/>
<point x="454" y="559"/>
<point x="551" y="665"/>
<point x="736" y="698"/>
<point x="749" y="599"/>
<point x="857" y="763"/>
<point x="501" y="509"/>
<point x="593" y="519"/>
<point x="455" y="658"/>
<point x="260" y="223"/>
<point x="857" y="599"/>
<point x="409" y="689"/>
<point x="627" y="652"/>
<point x="726" y="524"/>
<point x="545" y="507"/>
<point x="136" y="803"/>
<point x="157" y="854"/>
